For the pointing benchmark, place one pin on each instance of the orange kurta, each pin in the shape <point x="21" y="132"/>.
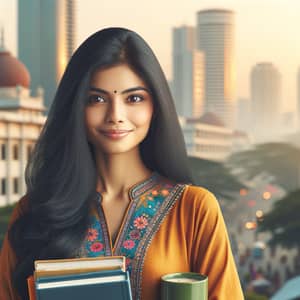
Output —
<point x="192" y="237"/>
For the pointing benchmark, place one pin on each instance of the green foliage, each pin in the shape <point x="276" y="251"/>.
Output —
<point x="5" y="213"/>
<point x="281" y="160"/>
<point x="254" y="296"/>
<point x="215" y="177"/>
<point x="283" y="221"/>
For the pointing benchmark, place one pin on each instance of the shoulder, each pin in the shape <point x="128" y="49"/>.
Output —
<point x="200" y="196"/>
<point x="199" y="201"/>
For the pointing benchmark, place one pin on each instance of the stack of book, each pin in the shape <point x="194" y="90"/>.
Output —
<point x="80" y="278"/>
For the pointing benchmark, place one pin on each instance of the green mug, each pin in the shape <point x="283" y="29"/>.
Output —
<point x="184" y="286"/>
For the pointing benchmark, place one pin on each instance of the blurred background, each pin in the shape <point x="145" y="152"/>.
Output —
<point x="233" y="68"/>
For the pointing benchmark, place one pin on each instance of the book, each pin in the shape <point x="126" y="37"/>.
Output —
<point x="80" y="278"/>
<point x="109" y="284"/>
<point x="84" y="264"/>
<point x="31" y="288"/>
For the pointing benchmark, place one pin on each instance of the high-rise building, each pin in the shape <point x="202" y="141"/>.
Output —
<point x="266" y="101"/>
<point x="45" y="41"/>
<point x="188" y="73"/>
<point x="298" y="97"/>
<point x="216" y="38"/>
<point x="244" y="114"/>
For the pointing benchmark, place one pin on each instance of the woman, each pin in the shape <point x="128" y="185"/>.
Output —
<point x="109" y="176"/>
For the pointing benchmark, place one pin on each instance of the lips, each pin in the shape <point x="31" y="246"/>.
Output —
<point x="115" y="131"/>
<point x="115" y="134"/>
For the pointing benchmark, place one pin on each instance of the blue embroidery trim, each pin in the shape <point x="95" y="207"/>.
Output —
<point x="151" y="202"/>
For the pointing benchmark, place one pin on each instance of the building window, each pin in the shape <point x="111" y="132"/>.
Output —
<point x="15" y="152"/>
<point x="16" y="185"/>
<point x="3" y="151"/>
<point x="3" y="186"/>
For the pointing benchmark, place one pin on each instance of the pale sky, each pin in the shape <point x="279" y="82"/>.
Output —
<point x="266" y="30"/>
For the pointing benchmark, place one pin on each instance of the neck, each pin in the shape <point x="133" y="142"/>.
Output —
<point x="117" y="173"/>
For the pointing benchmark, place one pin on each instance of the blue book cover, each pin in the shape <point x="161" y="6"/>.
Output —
<point x="109" y="284"/>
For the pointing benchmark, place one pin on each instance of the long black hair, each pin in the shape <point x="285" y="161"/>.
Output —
<point x="61" y="173"/>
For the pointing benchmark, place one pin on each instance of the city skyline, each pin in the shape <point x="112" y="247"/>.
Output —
<point x="263" y="33"/>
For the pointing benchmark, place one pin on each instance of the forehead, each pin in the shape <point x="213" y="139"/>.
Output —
<point x="117" y="77"/>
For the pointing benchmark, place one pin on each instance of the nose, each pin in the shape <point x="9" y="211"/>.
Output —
<point x="116" y="111"/>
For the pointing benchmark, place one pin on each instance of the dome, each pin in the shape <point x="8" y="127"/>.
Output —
<point x="12" y="71"/>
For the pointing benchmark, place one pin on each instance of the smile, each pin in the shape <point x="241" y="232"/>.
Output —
<point x="116" y="134"/>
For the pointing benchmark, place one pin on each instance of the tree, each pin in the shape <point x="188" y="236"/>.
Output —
<point x="215" y="177"/>
<point x="283" y="221"/>
<point x="281" y="160"/>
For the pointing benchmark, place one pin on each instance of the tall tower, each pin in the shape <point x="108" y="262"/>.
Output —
<point x="298" y="96"/>
<point x="45" y="41"/>
<point x="188" y="73"/>
<point x="216" y="38"/>
<point x="266" y="100"/>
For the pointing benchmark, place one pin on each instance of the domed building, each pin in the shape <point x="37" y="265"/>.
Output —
<point x="21" y="120"/>
<point x="13" y="72"/>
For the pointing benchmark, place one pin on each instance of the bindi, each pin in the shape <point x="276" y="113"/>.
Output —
<point x="115" y="91"/>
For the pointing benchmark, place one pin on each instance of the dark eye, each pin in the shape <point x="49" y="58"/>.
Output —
<point x="96" y="99"/>
<point x="135" y="98"/>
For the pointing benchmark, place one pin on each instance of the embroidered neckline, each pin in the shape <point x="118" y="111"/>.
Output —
<point x="151" y="201"/>
<point x="138" y="188"/>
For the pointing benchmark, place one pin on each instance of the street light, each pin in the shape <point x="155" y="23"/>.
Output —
<point x="250" y="225"/>
<point x="266" y="195"/>
<point x="259" y="215"/>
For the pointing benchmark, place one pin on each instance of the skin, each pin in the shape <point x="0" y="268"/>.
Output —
<point x="118" y="99"/>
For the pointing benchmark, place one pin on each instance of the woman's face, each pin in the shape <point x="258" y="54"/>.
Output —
<point x="119" y="110"/>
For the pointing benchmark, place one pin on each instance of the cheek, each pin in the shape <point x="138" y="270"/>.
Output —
<point x="92" y="117"/>
<point x="142" y="117"/>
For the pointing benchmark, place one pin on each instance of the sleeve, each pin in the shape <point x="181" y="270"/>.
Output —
<point x="211" y="249"/>
<point x="8" y="262"/>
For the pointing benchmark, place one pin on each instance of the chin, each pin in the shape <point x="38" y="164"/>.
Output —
<point x="117" y="150"/>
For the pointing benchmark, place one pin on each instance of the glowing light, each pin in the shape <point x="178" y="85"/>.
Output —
<point x="250" y="225"/>
<point x="266" y="195"/>
<point x="259" y="213"/>
<point x="243" y="192"/>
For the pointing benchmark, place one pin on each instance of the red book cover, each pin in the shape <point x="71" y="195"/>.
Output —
<point x="31" y="288"/>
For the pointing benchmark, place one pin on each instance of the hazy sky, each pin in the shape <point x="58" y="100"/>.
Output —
<point x="266" y="30"/>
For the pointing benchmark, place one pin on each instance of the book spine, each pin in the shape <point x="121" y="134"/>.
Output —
<point x="31" y="288"/>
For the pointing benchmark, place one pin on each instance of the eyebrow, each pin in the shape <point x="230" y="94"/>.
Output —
<point x="133" y="89"/>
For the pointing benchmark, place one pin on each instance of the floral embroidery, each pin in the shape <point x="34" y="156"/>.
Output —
<point x="129" y="244"/>
<point x="92" y="234"/>
<point x="140" y="222"/>
<point x="154" y="193"/>
<point x="151" y="201"/>
<point x="128" y="262"/>
<point x="94" y="242"/>
<point x="135" y="234"/>
<point x="96" y="247"/>
<point x="165" y="192"/>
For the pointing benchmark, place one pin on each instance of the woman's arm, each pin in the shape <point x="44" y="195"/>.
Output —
<point x="211" y="253"/>
<point x="8" y="261"/>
